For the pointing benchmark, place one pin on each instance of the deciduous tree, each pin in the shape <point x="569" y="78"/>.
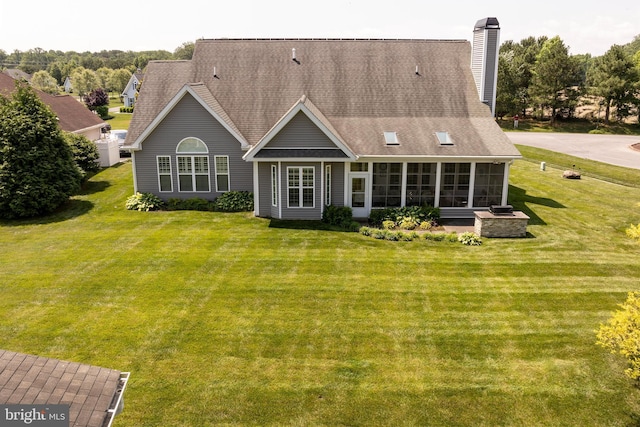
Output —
<point x="45" y="82"/>
<point x="84" y="80"/>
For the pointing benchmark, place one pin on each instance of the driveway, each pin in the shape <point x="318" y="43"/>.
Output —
<point x="612" y="149"/>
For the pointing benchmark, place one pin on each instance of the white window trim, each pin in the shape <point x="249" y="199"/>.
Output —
<point x="327" y="185"/>
<point x="193" y="174"/>
<point x="301" y="187"/>
<point x="274" y="185"/>
<point x="160" y="174"/>
<point x="205" y="151"/>
<point x="227" y="174"/>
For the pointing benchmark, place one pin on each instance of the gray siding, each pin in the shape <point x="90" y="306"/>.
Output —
<point x="337" y="183"/>
<point x="264" y="188"/>
<point x="490" y="76"/>
<point x="301" y="213"/>
<point x="300" y="132"/>
<point x="190" y="119"/>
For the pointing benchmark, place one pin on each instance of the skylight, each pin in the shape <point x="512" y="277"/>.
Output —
<point x="444" y="138"/>
<point x="391" y="138"/>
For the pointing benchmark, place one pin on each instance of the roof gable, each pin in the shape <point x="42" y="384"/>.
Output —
<point x="202" y="95"/>
<point x="306" y="107"/>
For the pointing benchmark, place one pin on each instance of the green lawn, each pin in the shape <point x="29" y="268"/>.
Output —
<point x="576" y="125"/>
<point x="223" y="319"/>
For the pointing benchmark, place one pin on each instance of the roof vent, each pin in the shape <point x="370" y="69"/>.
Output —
<point x="417" y="71"/>
<point x="293" y="56"/>
<point x="444" y="138"/>
<point x="215" y="74"/>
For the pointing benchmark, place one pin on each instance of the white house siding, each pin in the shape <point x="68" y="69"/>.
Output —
<point x="190" y="119"/>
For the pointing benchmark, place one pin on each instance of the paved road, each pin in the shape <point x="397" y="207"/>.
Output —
<point x="612" y="149"/>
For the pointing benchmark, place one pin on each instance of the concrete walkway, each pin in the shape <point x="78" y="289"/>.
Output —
<point x="612" y="149"/>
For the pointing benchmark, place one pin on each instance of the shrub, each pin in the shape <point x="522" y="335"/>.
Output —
<point x="234" y="201"/>
<point x="469" y="239"/>
<point x="425" y="225"/>
<point x="341" y="216"/>
<point x="407" y="237"/>
<point x="388" y="225"/>
<point x="416" y="214"/>
<point x="144" y="202"/>
<point x="194" y="204"/>
<point x="103" y="111"/>
<point x="621" y="334"/>
<point x="126" y="109"/>
<point x="392" y="236"/>
<point x="365" y="231"/>
<point x="379" y="234"/>
<point x="633" y="231"/>
<point x="408" y="223"/>
<point x="353" y="226"/>
<point x="85" y="152"/>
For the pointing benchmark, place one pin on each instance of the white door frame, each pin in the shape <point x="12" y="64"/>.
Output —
<point x="360" y="212"/>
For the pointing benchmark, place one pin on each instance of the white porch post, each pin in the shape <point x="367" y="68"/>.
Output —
<point x="280" y="191"/>
<point x="472" y="184"/>
<point x="403" y="188"/>
<point x="436" y="199"/>
<point x="505" y="183"/>
<point x="256" y="190"/>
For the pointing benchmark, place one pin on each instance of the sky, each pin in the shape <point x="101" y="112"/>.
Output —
<point x="585" y="26"/>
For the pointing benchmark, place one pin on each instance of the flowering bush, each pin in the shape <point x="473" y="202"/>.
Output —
<point x="144" y="202"/>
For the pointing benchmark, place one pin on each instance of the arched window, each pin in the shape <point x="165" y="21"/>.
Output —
<point x="193" y="170"/>
<point x="191" y="145"/>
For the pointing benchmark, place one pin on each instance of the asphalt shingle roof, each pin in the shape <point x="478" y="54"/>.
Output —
<point x="361" y="87"/>
<point x="89" y="390"/>
<point x="72" y="115"/>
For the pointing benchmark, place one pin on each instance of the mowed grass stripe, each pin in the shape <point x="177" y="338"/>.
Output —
<point x="226" y="319"/>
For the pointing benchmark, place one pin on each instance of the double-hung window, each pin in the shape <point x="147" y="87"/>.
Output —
<point x="193" y="169"/>
<point x="165" y="181"/>
<point x="301" y="187"/>
<point x="222" y="173"/>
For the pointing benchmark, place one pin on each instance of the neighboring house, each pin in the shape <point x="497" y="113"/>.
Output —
<point x="73" y="116"/>
<point x="306" y="123"/>
<point x="130" y="92"/>
<point x="17" y="74"/>
<point x="92" y="395"/>
<point x="68" y="87"/>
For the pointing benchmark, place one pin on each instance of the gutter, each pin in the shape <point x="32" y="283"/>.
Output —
<point x="117" y="403"/>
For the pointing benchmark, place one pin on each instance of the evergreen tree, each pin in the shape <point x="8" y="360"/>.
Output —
<point x="555" y="77"/>
<point x="37" y="170"/>
<point x="614" y="77"/>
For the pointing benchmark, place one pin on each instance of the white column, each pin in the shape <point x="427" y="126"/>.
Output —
<point x="505" y="183"/>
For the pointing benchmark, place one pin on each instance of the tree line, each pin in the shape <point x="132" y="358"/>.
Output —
<point x="107" y="69"/>
<point x="538" y="76"/>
